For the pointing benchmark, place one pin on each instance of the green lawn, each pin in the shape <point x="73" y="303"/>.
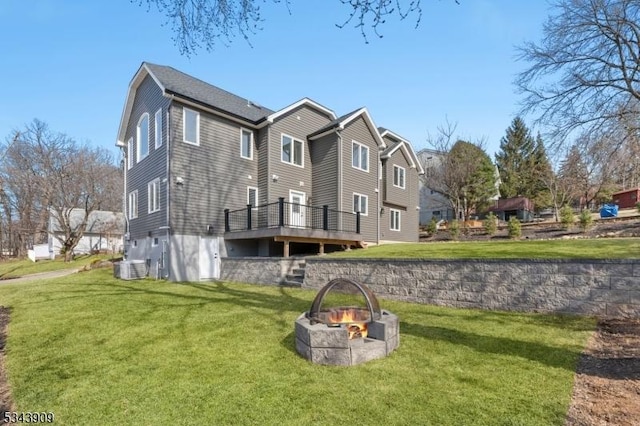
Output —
<point x="604" y="248"/>
<point x="96" y="350"/>
<point x="19" y="267"/>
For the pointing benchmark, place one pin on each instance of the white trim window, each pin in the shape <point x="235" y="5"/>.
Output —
<point x="158" y="123"/>
<point x="399" y="174"/>
<point x="360" y="204"/>
<point x="133" y="204"/>
<point x="155" y="242"/>
<point x="394" y="220"/>
<point x="191" y="126"/>
<point x="130" y="154"/>
<point x="359" y="156"/>
<point x="252" y="196"/>
<point x="142" y="137"/>
<point x="154" y="195"/>
<point x="246" y="144"/>
<point x="292" y="151"/>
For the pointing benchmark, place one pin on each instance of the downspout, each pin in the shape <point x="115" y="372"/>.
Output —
<point x="124" y="201"/>
<point x="168" y="176"/>
<point x="380" y="169"/>
<point x="339" y="173"/>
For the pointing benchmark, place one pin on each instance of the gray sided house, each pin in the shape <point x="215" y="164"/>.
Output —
<point x="209" y="174"/>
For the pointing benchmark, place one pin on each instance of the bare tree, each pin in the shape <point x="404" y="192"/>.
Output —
<point x="585" y="73"/>
<point x="46" y="174"/>
<point x="200" y="24"/>
<point x="587" y="171"/>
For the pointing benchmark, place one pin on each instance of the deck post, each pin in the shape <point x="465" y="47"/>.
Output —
<point x="226" y="220"/>
<point x="321" y="248"/>
<point x="249" y="206"/>
<point x="281" y="211"/>
<point x="286" y="248"/>
<point x="357" y="222"/>
<point x="325" y="217"/>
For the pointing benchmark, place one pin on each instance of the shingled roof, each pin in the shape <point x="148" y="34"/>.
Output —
<point x="181" y="84"/>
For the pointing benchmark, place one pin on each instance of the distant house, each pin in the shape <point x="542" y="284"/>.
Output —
<point x="104" y="232"/>
<point x="519" y="207"/>
<point x="432" y="203"/>
<point x="626" y="199"/>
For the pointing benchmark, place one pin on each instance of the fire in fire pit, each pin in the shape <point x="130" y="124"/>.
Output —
<point x="346" y="335"/>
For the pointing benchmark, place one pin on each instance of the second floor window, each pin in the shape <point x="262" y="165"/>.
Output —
<point x="130" y="153"/>
<point x="133" y="204"/>
<point x="191" y="126"/>
<point x="158" y="124"/>
<point x="360" y="204"/>
<point x="246" y="144"/>
<point x="143" y="137"/>
<point x="398" y="176"/>
<point x="154" y="195"/>
<point x="292" y="150"/>
<point x="359" y="156"/>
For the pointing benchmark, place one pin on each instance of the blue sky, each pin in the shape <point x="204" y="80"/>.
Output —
<point x="69" y="63"/>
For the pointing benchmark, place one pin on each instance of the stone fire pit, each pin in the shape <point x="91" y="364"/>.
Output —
<point x="346" y="335"/>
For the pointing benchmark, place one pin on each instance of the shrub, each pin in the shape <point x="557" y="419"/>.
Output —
<point x="585" y="219"/>
<point x="490" y="224"/>
<point x="566" y="217"/>
<point x="638" y="206"/>
<point x="454" y="229"/>
<point x="432" y="226"/>
<point x="514" y="227"/>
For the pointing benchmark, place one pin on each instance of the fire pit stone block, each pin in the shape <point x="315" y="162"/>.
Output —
<point x="330" y="345"/>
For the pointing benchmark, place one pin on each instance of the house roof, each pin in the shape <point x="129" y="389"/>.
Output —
<point x="99" y="221"/>
<point x="303" y="101"/>
<point x="176" y="83"/>
<point x="341" y="122"/>
<point x="400" y="143"/>
<point x="515" y="203"/>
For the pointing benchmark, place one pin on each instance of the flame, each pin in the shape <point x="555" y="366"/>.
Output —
<point x="353" y="318"/>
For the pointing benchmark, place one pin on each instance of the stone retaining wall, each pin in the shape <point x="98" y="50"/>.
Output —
<point x="258" y="270"/>
<point x="604" y="288"/>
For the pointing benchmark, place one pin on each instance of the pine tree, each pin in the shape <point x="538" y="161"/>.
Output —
<point x="514" y="160"/>
<point x="542" y="175"/>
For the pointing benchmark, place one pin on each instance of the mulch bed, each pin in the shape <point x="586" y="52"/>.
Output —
<point x="6" y="404"/>
<point x="606" y="390"/>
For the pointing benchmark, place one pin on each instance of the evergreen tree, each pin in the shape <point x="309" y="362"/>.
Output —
<point x="542" y="174"/>
<point x="515" y="160"/>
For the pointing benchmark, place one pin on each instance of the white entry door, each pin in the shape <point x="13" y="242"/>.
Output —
<point x="297" y="209"/>
<point x="209" y="258"/>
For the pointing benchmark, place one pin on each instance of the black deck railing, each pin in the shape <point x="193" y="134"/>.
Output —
<point x="291" y="215"/>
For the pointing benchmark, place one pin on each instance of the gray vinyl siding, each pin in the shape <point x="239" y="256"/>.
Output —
<point x="298" y="124"/>
<point x="324" y="158"/>
<point x="263" y="165"/>
<point x="391" y="193"/>
<point x="148" y="98"/>
<point x="405" y="201"/>
<point x="215" y="176"/>
<point x="358" y="181"/>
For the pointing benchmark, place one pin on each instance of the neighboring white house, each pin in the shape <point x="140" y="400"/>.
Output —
<point x="104" y="232"/>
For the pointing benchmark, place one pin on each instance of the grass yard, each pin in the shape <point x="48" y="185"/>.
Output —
<point x="96" y="350"/>
<point x="15" y="268"/>
<point x="603" y="248"/>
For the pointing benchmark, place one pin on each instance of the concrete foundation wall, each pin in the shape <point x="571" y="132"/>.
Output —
<point x="604" y="288"/>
